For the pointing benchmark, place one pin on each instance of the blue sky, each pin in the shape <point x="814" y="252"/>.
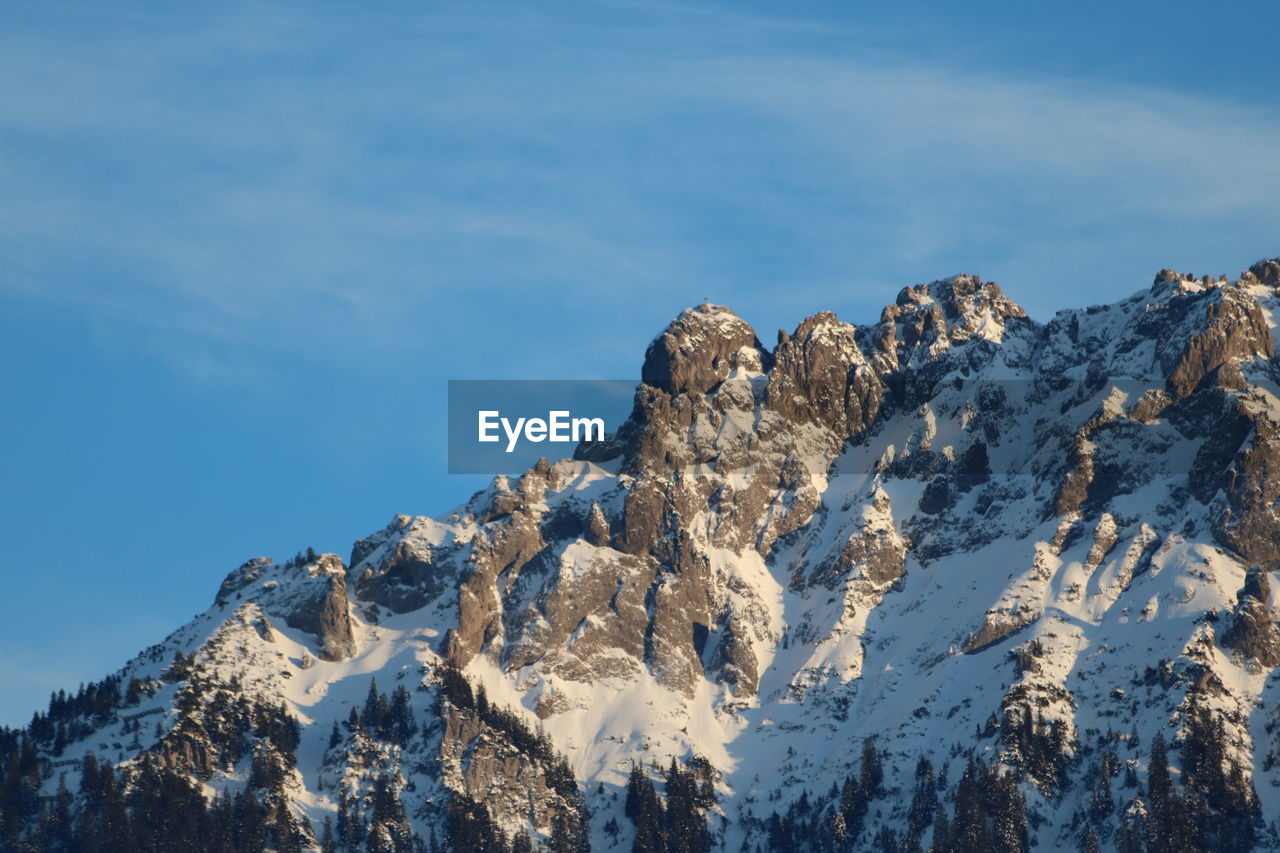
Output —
<point x="246" y="244"/>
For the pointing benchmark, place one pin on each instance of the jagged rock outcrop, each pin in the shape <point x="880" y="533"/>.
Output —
<point x="874" y="550"/>
<point x="954" y="310"/>
<point x="310" y="595"/>
<point x="1250" y="522"/>
<point x="597" y="527"/>
<point x="1266" y="271"/>
<point x="1232" y="327"/>
<point x="407" y="564"/>
<point x="1252" y="631"/>
<point x="235" y="582"/>
<point x="506" y="767"/>
<point x="821" y="376"/>
<point x="325" y="612"/>
<point x="700" y="349"/>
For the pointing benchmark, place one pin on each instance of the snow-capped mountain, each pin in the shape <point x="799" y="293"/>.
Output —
<point x="956" y="579"/>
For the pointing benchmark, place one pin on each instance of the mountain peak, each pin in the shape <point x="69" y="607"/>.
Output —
<point x="1266" y="271"/>
<point x="929" y="318"/>
<point x="700" y="349"/>
<point x="960" y="297"/>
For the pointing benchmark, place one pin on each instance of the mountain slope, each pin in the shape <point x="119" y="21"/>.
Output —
<point x="955" y="563"/>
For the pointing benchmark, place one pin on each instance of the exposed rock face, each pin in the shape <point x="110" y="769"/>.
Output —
<point x="309" y="596"/>
<point x="240" y="578"/>
<point x="1250" y="524"/>
<point x="873" y="551"/>
<point x="738" y="464"/>
<point x="570" y="632"/>
<point x="997" y="627"/>
<point x="821" y="376"/>
<point x="949" y="311"/>
<point x="326" y="612"/>
<point x="597" y="526"/>
<point x="1253" y="631"/>
<point x="699" y="350"/>
<point x="488" y="765"/>
<point x="405" y="565"/>
<point x="1232" y="328"/>
<point x="1267" y="272"/>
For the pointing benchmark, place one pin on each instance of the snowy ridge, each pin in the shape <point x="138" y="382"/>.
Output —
<point x="955" y="532"/>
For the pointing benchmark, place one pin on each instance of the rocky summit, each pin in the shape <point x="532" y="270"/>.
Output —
<point x="955" y="580"/>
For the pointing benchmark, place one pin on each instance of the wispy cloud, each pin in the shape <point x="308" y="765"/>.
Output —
<point x="250" y="184"/>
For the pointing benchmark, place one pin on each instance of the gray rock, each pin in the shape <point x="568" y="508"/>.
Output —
<point x="325" y="612"/>
<point x="1267" y="271"/>
<point x="699" y="349"/>
<point x="1252" y="631"/>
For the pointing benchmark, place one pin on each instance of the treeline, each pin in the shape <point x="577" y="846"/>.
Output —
<point x="156" y="804"/>
<point x="469" y="827"/>
<point x="829" y="823"/>
<point x="72" y="716"/>
<point x="376" y="822"/>
<point x="154" y="811"/>
<point x="215" y="726"/>
<point x="152" y="806"/>
<point x="989" y="813"/>
<point x="1215" y="809"/>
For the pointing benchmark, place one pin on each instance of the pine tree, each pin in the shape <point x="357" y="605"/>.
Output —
<point x="1101" y="802"/>
<point x="924" y="798"/>
<point x="349" y="827"/>
<point x="250" y="823"/>
<point x="970" y="833"/>
<point x="568" y="835"/>
<point x="400" y="722"/>
<point x="645" y="811"/>
<point x="374" y="717"/>
<point x="886" y="840"/>
<point x="1159" y="793"/>
<point x="686" y="830"/>
<point x="871" y="775"/>
<point x="59" y="828"/>
<point x="853" y="807"/>
<point x="1005" y="806"/>
<point x="522" y="842"/>
<point x="942" y="839"/>
<point x="327" y="842"/>
<point x="468" y="827"/>
<point x="389" y="826"/>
